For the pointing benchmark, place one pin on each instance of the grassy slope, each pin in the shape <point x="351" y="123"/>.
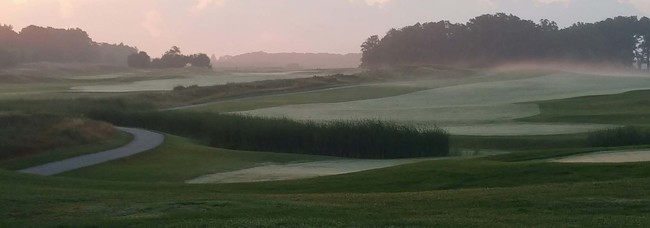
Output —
<point x="62" y="201"/>
<point x="631" y="108"/>
<point x="327" y="96"/>
<point x="178" y="160"/>
<point x="492" y="191"/>
<point x="60" y="154"/>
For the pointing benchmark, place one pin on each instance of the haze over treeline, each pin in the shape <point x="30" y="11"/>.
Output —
<point x="36" y="44"/>
<point x="290" y="60"/>
<point x="495" y="39"/>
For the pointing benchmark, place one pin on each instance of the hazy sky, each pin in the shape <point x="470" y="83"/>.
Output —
<point x="238" y="26"/>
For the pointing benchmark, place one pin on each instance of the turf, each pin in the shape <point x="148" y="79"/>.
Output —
<point x="63" y="153"/>
<point x="327" y="96"/>
<point x="178" y="160"/>
<point x="518" y="189"/>
<point x="630" y="108"/>
<point x="71" y="202"/>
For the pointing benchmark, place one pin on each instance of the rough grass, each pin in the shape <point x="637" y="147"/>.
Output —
<point x="31" y="160"/>
<point x="179" y="160"/>
<point x="27" y="135"/>
<point x="630" y="108"/>
<point x="355" y="139"/>
<point x="473" y="105"/>
<point x="327" y="96"/>
<point x="578" y="201"/>
<point x="622" y="136"/>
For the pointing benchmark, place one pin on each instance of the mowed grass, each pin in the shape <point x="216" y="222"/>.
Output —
<point x="179" y="160"/>
<point x="326" y="96"/>
<point x="630" y="108"/>
<point x="119" y="140"/>
<point x="388" y="200"/>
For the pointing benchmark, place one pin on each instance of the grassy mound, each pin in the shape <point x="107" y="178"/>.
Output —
<point x="23" y="135"/>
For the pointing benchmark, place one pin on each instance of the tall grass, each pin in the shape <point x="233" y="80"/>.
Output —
<point x="355" y="139"/>
<point x="72" y="106"/>
<point x="622" y="136"/>
<point x="22" y="135"/>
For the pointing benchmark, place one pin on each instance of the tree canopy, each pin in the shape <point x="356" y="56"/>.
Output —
<point x="173" y="58"/>
<point x="34" y="44"/>
<point x="494" y="39"/>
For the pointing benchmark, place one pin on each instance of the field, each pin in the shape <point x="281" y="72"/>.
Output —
<point x="518" y="145"/>
<point x="490" y="108"/>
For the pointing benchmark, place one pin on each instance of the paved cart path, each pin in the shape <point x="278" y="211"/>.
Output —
<point x="143" y="141"/>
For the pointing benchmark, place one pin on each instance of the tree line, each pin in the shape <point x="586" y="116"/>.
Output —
<point x="173" y="58"/>
<point x="36" y="44"/>
<point x="494" y="39"/>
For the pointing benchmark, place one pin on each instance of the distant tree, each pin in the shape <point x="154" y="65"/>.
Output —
<point x="493" y="39"/>
<point x="114" y="54"/>
<point x="8" y="41"/>
<point x="369" y="48"/>
<point x="173" y="58"/>
<point x="200" y="60"/>
<point x="139" y="60"/>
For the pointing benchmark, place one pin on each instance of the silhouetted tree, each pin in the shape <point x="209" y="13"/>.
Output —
<point x="173" y="58"/>
<point x="493" y="39"/>
<point x="371" y="57"/>
<point x="200" y="60"/>
<point x="8" y="41"/>
<point x="114" y="54"/>
<point x="139" y="60"/>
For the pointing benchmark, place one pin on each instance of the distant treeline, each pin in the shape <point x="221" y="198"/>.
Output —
<point x="35" y="44"/>
<point x="290" y="61"/>
<point x="354" y="139"/>
<point x="500" y="38"/>
<point x="173" y="58"/>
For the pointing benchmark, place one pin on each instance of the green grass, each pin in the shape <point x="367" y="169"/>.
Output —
<point x="327" y="96"/>
<point x="371" y="139"/>
<point x="518" y="189"/>
<point x="482" y="200"/>
<point x="178" y="160"/>
<point x="518" y="143"/>
<point x="631" y="108"/>
<point x="59" y="154"/>
<point x="447" y="175"/>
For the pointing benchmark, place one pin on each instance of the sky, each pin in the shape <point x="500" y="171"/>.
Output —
<point x="230" y="27"/>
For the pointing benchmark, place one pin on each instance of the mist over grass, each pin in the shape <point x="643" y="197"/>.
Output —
<point x="355" y="139"/>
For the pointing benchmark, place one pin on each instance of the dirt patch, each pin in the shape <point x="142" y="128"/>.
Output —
<point x="609" y="157"/>
<point x="274" y="172"/>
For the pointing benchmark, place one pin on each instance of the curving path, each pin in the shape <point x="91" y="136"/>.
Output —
<point x="143" y="141"/>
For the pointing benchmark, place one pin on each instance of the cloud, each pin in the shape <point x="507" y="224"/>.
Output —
<point x="378" y="3"/>
<point x="202" y="4"/>
<point x="487" y="3"/>
<point x="66" y="8"/>
<point x="547" y="2"/>
<point x="152" y="22"/>
<point x="641" y="5"/>
<point x="19" y="2"/>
